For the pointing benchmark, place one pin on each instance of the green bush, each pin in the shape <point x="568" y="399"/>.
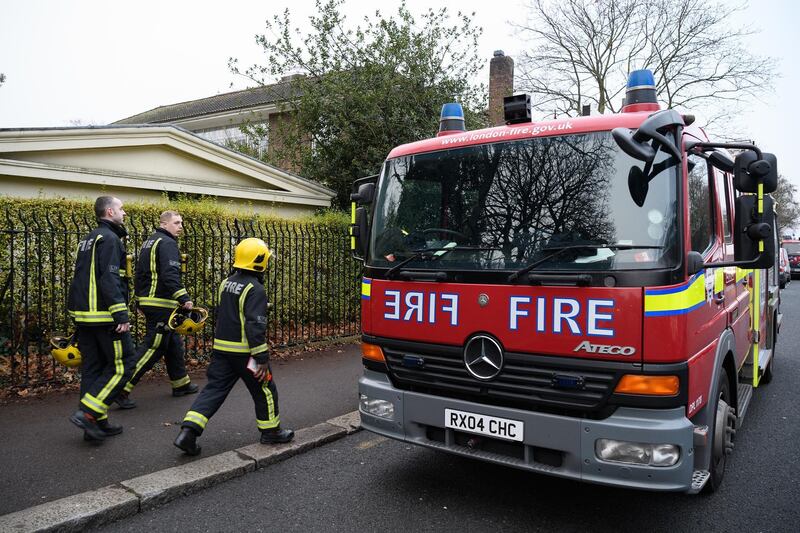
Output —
<point x="312" y="281"/>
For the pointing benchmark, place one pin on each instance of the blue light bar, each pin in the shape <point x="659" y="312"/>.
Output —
<point x="451" y="120"/>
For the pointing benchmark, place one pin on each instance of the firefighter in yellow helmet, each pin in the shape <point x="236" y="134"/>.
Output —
<point x="240" y="351"/>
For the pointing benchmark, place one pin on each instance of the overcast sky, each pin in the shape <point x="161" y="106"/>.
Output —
<point x="100" y="61"/>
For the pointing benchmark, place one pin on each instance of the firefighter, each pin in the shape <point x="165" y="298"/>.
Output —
<point x="98" y="303"/>
<point x="240" y="351"/>
<point x="159" y="290"/>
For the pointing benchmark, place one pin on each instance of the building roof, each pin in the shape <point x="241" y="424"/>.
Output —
<point x="244" y="99"/>
<point x="188" y="163"/>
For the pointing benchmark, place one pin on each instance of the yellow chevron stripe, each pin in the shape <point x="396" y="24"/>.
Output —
<point x="676" y="300"/>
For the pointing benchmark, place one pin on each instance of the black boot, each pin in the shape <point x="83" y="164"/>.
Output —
<point x="189" y="388"/>
<point x="187" y="441"/>
<point x="108" y="428"/>
<point x="124" y="401"/>
<point x="88" y="424"/>
<point x="276" y="436"/>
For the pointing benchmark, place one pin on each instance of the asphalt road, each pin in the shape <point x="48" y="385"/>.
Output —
<point x="43" y="456"/>
<point x="367" y="483"/>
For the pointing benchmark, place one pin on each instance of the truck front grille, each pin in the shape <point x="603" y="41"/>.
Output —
<point x="526" y="381"/>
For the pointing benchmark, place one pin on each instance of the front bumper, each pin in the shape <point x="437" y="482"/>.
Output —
<point x="419" y="419"/>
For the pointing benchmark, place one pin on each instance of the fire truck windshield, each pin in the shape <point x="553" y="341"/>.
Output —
<point x="505" y="206"/>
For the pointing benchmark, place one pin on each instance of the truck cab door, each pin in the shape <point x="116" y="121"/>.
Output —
<point x="730" y="280"/>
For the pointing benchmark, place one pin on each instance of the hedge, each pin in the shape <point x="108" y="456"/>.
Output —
<point x="312" y="281"/>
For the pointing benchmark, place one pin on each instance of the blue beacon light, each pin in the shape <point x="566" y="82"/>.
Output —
<point x="451" y="120"/>
<point x="641" y="88"/>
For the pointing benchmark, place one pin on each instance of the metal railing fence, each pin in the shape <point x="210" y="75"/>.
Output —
<point x="312" y="282"/>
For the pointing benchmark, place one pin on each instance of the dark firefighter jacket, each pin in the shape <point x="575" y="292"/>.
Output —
<point x="99" y="290"/>
<point x="242" y="317"/>
<point x="158" y="272"/>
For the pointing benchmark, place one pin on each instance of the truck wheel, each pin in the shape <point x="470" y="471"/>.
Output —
<point x="722" y="438"/>
<point x="767" y="376"/>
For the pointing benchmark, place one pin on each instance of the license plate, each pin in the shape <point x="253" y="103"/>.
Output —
<point x="491" y="426"/>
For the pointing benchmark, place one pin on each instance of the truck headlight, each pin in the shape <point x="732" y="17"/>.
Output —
<point x="376" y="407"/>
<point x="636" y="453"/>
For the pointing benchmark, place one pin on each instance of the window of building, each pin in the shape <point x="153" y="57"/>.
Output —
<point x="233" y="136"/>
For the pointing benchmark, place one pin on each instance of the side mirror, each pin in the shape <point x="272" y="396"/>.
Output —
<point x="638" y="185"/>
<point x="359" y="216"/>
<point x="365" y="194"/>
<point x="694" y="263"/>
<point x="359" y="233"/>
<point x="749" y="170"/>
<point x="753" y="238"/>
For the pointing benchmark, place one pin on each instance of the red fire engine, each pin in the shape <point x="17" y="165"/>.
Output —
<point x="593" y="298"/>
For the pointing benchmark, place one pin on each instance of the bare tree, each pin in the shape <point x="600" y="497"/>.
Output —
<point x="2" y="79"/>
<point x="581" y="52"/>
<point x="577" y="46"/>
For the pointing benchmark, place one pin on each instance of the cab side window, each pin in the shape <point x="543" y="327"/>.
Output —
<point x="721" y="186"/>
<point x="701" y="226"/>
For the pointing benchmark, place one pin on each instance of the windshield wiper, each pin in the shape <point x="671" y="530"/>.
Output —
<point x="561" y="249"/>
<point x="437" y="252"/>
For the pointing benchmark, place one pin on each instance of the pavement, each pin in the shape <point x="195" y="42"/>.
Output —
<point x="53" y="480"/>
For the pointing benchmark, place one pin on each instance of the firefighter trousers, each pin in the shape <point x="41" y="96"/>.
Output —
<point x="108" y="363"/>
<point x="160" y="341"/>
<point x="223" y="373"/>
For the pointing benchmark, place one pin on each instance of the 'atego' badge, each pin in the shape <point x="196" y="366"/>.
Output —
<point x="588" y="347"/>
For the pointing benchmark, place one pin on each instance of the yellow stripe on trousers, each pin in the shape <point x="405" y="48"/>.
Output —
<point x="196" y="418"/>
<point x="119" y="370"/>
<point x="146" y="357"/>
<point x="185" y="380"/>
<point x="94" y="404"/>
<point x="272" y="420"/>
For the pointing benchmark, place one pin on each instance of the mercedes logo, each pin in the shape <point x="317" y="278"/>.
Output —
<point x="483" y="357"/>
<point x="483" y="300"/>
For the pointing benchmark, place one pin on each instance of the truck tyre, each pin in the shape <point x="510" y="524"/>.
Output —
<point x="767" y="376"/>
<point x="722" y="436"/>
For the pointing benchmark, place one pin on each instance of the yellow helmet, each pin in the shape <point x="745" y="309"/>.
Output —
<point x="251" y="254"/>
<point x="65" y="350"/>
<point x="186" y="322"/>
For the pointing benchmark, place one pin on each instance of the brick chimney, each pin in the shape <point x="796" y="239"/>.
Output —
<point x="501" y="84"/>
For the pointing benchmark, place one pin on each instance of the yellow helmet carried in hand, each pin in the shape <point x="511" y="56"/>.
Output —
<point x="251" y="254"/>
<point x="65" y="350"/>
<point x="186" y="322"/>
